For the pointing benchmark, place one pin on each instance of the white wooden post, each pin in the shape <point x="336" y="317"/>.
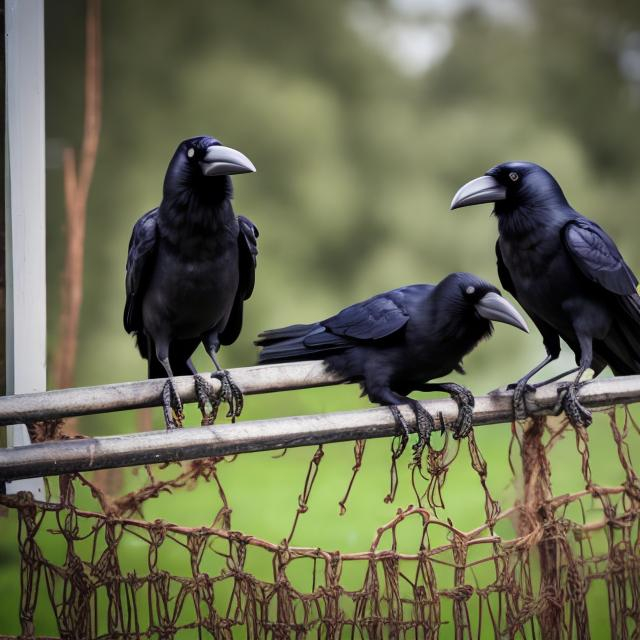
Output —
<point x="25" y="213"/>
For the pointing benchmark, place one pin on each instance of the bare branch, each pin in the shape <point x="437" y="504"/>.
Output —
<point x="76" y="189"/>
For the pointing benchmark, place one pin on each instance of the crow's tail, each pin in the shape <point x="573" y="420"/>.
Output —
<point x="623" y="340"/>
<point x="294" y="331"/>
<point x="142" y="344"/>
<point x="297" y="342"/>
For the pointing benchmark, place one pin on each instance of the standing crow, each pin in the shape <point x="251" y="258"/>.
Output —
<point x="565" y="271"/>
<point x="191" y="266"/>
<point x="397" y="341"/>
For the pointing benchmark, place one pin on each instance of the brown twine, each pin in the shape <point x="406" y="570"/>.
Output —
<point x="535" y="584"/>
<point x="358" y="453"/>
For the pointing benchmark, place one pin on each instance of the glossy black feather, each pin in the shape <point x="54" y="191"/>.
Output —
<point x="394" y="342"/>
<point x="190" y="266"/>
<point x="247" y="260"/>
<point x="550" y="336"/>
<point x="140" y="260"/>
<point x="375" y="318"/>
<point x="566" y="272"/>
<point x="598" y="257"/>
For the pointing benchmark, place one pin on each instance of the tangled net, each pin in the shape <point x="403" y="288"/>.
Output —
<point x="476" y="583"/>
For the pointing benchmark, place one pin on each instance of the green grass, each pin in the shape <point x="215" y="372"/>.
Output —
<point x="263" y="490"/>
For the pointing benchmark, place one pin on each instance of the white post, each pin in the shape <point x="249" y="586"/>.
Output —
<point x="25" y="213"/>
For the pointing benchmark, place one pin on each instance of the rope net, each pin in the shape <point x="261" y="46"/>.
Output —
<point x="570" y="556"/>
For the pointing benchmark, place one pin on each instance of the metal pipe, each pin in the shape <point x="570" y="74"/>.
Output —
<point x="65" y="403"/>
<point x="184" y="444"/>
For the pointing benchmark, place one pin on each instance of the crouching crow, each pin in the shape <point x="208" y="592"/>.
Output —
<point x="396" y="342"/>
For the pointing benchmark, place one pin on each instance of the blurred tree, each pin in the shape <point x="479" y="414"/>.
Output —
<point x="357" y="159"/>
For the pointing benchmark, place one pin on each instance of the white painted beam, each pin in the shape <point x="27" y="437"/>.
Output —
<point x="25" y="212"/>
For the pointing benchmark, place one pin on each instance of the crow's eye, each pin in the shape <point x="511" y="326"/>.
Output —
<point x="514" y="177"/>
<point x="191" y="152"/>
<point x="470" y="290"/>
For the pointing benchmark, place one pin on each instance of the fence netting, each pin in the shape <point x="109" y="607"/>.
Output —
<point x="570" y="556"/>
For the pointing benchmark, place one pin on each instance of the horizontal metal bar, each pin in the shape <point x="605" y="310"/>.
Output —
<point x="65" y="403"/>
<point x="184" y="444"/>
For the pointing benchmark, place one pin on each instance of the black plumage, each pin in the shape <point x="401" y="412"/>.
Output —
<point x="190" y="267"/>
<point x="565" y="271"/>
<point x="395" y="342"/>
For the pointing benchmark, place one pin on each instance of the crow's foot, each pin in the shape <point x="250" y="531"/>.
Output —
<point x="230" y="393"/>
<point x="514" y="385"/>
<point x="578" y="415"/>
<point x="403" y="429"/>
<point x="205" y="395"/>
<point x="172" y="406"/>
<point x="466" y="402"/>
<point x="425" y="426"/>
<point x="520" y="388"/>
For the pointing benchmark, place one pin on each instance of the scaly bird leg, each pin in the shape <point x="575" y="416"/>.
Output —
<point x="229" y="392"/>
<point x="578" y="415"/>
<point x="522" y="386"/>
<point x="465" y="401"/>
<point x="171" y="403"/>
<point x="537" y="385"/>
<point x="403" y="428"/>
<point x="205" y="396"/>
<point x="425" y="426"/>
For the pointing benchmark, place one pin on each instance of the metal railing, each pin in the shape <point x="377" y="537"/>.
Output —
<point x="86" y="454"/>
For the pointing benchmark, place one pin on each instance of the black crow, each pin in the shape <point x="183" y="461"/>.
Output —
<point x="191" y="266"/>
<point x="397" y="341"/>
<point x="565" y="271"/>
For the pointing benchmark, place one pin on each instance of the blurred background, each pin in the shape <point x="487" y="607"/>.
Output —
<point x="363" y="117"/>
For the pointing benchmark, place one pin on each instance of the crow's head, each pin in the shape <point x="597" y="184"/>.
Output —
<point x="203" y="164"/>
<point x="511" y="185"/>
<point x="470" y="293"/>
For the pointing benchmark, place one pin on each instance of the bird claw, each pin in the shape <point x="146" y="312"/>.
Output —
<point x="443" y="425"/>
<point x="172" y="406"/>
<point x="205" y="395"/>
<point x="568" y="402"/>
<point x="230" y="393"/>
<point x="402" y="426"/>
<point x="520" y="389"/>
<point x="425" y="426"/>
<point x="528" y="388"/>
<point x="466" y="402"/>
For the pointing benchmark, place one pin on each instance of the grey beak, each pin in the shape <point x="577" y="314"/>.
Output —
<point x="225" y="161"/>
<point x="493" y="306"/>
<point x="478" y="191"/>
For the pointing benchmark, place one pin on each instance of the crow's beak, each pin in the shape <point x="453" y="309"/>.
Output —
<point x="478" y="191"/>
<point x="225" y="161"/>
<point x="493" y="306"/>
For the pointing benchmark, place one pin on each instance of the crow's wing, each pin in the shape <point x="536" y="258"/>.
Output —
<point x="247" y="254"/>
<point x="379" y="317"/>
<point x="597" y="256"/>
<point x="373" y="319"/>
<point x="140" y="260"/>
